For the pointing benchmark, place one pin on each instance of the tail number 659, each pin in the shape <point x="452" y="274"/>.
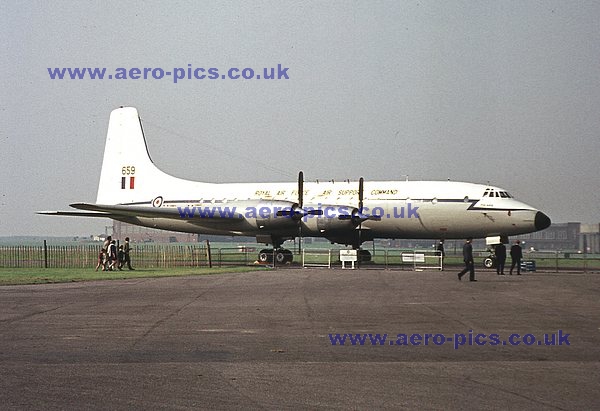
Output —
<point x="128" y="170"/>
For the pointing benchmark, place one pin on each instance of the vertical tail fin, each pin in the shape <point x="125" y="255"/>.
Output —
<point x="128" y="172"/>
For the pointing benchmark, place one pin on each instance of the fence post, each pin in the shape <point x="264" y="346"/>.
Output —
<point x="208" y="254"/>
<point x="45" y="254"/>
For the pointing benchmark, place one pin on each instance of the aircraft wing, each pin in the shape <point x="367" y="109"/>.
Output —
<point x="115" y="211"/>
<point x="145" y="211"/>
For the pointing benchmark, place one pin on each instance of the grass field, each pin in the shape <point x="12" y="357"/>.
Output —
<point x="19" y="276"/>
<point x="37" y="275"/>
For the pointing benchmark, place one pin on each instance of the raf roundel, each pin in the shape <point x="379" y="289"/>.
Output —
<point x="157" y="202"/>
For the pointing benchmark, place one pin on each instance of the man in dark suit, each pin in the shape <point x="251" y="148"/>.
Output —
<point x="441" y="252"/>
<point x="500" y="258"/>
<point x="516" y="254"/>
<point x="468" y="259"/>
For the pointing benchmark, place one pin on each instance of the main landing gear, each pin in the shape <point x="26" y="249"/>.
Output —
<point x="282" y="256"/>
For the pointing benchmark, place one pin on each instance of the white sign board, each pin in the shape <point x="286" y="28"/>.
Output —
<point x="348" y="255"/>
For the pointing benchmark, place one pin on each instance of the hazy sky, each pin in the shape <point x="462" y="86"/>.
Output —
<point x="499" y="91"/>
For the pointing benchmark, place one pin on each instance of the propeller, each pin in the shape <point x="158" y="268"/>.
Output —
<point x="357" y="215"/>
<point x="296" y="211"/>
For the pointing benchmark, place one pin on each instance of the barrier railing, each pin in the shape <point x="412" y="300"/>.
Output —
<point x="83" y="256"/>
<point x="234" y="256"/>
<point x="316" y="257"/>
<point x="423" y="260"/>
<point x="196" y="255"/>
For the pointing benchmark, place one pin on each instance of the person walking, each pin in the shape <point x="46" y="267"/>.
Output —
<point x="441" y="252"/>
<point x="101" y="259"/>
<point x="516" y="254"/>
<point x="112" y="256"/>
<point x="126" y="251"/>
<point x="500" y="252"/>
<point x="468" y="259"/>
<point x="106" y="247"/>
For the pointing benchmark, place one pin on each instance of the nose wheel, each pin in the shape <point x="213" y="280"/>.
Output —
<point x="489" y="262"/>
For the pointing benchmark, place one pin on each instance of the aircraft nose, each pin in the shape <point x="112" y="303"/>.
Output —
<point x="541" y="221"/>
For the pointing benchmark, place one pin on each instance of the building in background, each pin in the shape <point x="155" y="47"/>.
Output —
<point x="589" y="238"/>
<point x="574" y="237"/>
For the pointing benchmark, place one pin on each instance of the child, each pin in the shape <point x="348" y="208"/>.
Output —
<point x="101" y="259"/>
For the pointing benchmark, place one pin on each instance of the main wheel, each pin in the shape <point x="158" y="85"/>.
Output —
<point x="283" y="256"/>
<point x="265" y="256"/>
<point x="280" y="257"/>
<point x="489" y="262"/>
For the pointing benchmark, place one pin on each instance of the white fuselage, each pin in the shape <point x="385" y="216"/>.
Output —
<point x="408" y="209"/>
<point x="134" y="190"/>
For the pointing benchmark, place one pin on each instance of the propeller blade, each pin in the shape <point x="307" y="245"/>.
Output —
<point x="300" y="202"/>
<point x="299" y="213"/>
<point x="358" y="221"/>
<point x="285" y="213"/>
<point x="361" y="183"/>
<point x="300" y="188"/>
<point x="362" y="217"/>
<point x="358" y="217"/>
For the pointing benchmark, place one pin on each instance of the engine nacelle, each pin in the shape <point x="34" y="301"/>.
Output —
<point x="268" y="216"/>
<point x="333" y="219"/>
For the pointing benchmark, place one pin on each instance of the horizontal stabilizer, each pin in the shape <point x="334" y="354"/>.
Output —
<point x="75" y="213"/>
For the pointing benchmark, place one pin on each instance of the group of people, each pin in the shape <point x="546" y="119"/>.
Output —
<point x="110" y="258"/>
<point x="516" y="254"/>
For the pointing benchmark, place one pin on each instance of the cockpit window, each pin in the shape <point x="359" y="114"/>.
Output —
<point x="489" y="192"/>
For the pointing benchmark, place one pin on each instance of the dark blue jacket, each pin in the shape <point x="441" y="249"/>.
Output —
<point x="500" y="252"/>
<point x="467" y="252"/>
<point x="516" y="252"/>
